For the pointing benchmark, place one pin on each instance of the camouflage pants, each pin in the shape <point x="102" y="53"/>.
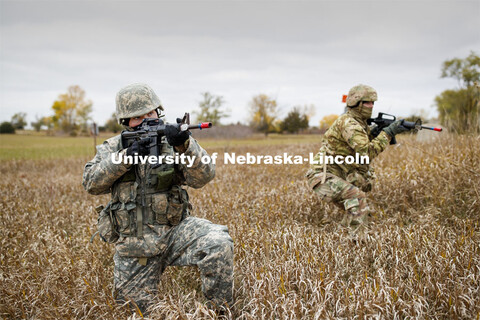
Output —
<point x="194" y="242"/>
<point x="344" y="195"/>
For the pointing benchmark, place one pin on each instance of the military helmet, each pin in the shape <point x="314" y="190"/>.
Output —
<point x="136" y="100"/>
<point x="359" y="93"/>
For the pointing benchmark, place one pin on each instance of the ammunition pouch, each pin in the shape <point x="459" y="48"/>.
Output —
<point x="120" y="219"/>
<point x="165" y="179"/>
<point x="125" y="216"/>
<point x="166" y="209"/>
<point x="159" y="204"/>
<point x="107" y="225"/>
<point x="115" y="220"/>
<point x="178" y="205"/>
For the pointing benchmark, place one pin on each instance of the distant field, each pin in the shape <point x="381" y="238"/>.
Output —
<point x="43" y="147"/>
<point x="421" y="260"/>
<point x="47" y="147"/>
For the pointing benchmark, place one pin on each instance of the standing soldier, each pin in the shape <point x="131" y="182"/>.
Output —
<point x="344" y="184"/>
<point x="148" y="215"/>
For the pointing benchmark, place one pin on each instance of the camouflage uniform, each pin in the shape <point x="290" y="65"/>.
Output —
<point x="151" y="213"/>
<point x="344" y="184"/>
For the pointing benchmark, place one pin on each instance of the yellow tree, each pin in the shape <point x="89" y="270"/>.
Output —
<point x="72" y="110"/>
<point x="327" y="121"/>
<point x="263" y="113"/>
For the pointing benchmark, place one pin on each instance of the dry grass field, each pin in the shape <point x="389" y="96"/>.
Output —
<point x="421" y="261"/>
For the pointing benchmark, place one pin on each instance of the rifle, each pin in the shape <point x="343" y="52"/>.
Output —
<point x="155" y="129"/>
<point x="382" y="122"/>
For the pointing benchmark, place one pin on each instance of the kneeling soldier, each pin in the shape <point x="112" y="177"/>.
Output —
<point x="344" y="184"/>
<point x="148" y="215"/>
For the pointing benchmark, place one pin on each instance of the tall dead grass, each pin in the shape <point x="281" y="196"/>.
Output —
<point x="422" y="259"/>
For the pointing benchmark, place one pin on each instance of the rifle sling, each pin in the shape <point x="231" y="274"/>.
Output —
<point x="140" y="210"/>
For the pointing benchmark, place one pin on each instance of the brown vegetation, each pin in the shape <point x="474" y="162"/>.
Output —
<point x="422" y="259"/>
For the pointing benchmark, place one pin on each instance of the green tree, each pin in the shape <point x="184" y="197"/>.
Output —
<point x="72" y="110"/>
<point x="460" y="109"/>
<point x="466" y="71"/>
<point x="112" y="124"/>
<point x="38" y="123"/>
<point x="210" y="109"/>
<point x="294" y="121"/>
<point x="6" y="127"/>
<point x="263" y="111"/>
<point x="19" y="120"/>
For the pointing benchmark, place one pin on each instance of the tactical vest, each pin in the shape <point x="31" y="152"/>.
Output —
<point x="334" y="144"/>
<point x="145" y="195"/>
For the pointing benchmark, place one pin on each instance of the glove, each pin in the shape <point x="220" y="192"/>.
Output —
<point x="139" y="147"/>
<point x="174" y="136"/>
<point x="395" y="128"/>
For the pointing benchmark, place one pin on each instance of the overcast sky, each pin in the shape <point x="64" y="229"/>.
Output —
<point x="297" y="52"/>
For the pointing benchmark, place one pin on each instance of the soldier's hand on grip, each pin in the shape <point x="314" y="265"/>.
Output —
<point x="396" y="128"/>
<point x="176" y="137"/>
<point x="139" y="147"/>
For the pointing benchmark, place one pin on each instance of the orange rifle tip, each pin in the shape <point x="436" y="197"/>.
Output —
<point x="344" y="98"/>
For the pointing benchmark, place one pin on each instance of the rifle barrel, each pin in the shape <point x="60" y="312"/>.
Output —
<point x="432" y="128"/>
<point x="203" y="125"/>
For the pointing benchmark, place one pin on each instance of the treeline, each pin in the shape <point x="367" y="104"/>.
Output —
<point x="71" y="115"/>
<point x="263" y="115"/>
<point x="459" y="109"/>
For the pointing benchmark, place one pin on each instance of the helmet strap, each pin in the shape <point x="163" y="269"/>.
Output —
<point x="159" y="112"/>
<point x="355" y="106"/>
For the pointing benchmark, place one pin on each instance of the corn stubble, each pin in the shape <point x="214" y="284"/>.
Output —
<point x="421" y="260"/>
